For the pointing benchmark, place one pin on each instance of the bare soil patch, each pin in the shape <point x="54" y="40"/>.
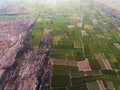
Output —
<point x="101" y="85"/>
<point x="117" y="45"/>
<point x="63" y="62"/>
<point x="84" y="65"/>
<point x="92" y="86"/>
<point x="104" y="62"/>
<point x="84" y="33"/>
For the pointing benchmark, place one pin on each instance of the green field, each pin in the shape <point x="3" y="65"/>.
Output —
<point x="97" y="42"/>
<point x="36" y="35"/>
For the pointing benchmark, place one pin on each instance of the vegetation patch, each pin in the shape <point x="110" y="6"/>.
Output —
<point x="109" y="72"/>
<point x="36" y="37"/>
<point x="94" y="64"/>
<point x="63" y="70"/>
<point x="60" y="80"/>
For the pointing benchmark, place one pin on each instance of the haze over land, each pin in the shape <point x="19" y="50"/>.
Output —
<point x="59" y="45"/>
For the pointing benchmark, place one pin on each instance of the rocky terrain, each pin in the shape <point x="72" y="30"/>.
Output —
<point x="30" y="70"/>
<point x="13" y="34"/>
<point x="111" y="9"/>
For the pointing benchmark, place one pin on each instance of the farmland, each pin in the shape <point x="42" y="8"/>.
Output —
<point x="85" y="49"/>
<point x="82" y="31"/>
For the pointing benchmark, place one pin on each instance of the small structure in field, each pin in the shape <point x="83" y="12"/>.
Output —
<point x="96" y="85"/>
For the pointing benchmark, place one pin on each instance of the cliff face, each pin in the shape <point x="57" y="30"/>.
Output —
<point x="13" y="34"/>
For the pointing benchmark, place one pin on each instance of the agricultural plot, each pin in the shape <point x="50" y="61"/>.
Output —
<point x="85" y="44"/>
<point x="84" y="65"/>
<point x="63" y="70"/>
<point x="63" y="62"/>
<point x="92" y="86"/>
<point x="109" y="85"/>
<point x="60" y="81"/>
<point x="57" y="38"/>
<point x="77" y="73"/>
<point x="79" y="87"/>
<point x="103" y="61"/>
<point x="36" y="38"/>
<point x="86" y="36"/>
<point x="37" y="34"/>
<point x="109" y="72"/>
<point x="94" y="64"/>
<point x="101" y="85"/>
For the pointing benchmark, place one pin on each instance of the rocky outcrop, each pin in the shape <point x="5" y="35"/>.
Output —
<point x="15" y="32"/>
<point x="31" y="70"/>
<point x="110" y="9"/>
